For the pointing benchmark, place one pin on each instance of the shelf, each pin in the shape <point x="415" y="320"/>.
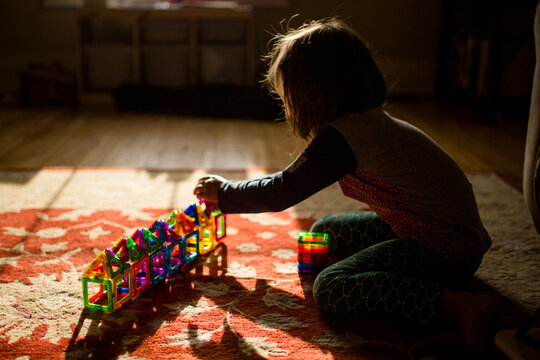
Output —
<point x="158" y="48"/>
<point x="165" y="65"/>
<point x="222" y="32"/>
<point x="222" y="64"/>
<point x="107" y="67"/>
<point x="169" y="30"/>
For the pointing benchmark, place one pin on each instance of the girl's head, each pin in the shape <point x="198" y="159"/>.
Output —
<point x="322" y="70"/>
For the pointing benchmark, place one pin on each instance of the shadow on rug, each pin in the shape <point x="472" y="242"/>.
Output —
<point x="244" y="300"/>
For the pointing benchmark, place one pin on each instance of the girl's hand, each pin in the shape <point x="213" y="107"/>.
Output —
<point x="207" y="188"/>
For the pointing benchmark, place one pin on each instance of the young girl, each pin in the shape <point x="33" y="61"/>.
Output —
<point x="412" y="256"/>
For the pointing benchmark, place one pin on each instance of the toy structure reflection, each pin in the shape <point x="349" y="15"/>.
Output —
<point x="148" y="256"/>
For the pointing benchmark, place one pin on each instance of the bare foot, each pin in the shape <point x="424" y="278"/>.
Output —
<point x="472" y="312"/>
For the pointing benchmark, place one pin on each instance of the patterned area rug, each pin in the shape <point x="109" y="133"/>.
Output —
<point x="245" y="300"/>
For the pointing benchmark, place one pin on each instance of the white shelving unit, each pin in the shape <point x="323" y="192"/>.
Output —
<point x="163" y="48"/>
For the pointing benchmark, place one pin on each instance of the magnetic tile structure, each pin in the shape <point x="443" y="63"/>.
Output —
<point x="137" y="262"/>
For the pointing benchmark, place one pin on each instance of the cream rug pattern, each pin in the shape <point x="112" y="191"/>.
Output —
<point x="244" y="301"/>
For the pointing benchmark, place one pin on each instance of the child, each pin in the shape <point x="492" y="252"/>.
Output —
<point x="410" y="258"/>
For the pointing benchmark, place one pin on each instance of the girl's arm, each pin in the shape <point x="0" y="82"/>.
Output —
<point x="326" y="160"/>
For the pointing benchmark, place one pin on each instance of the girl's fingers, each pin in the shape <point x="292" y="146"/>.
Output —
<point x="206" y="187"/>
<point x="203" y="180"/>
<point x="199" y="189"/>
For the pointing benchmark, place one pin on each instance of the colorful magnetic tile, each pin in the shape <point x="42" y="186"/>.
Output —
<point x="141" y="260"/>
<point x="101" y="299"/>
<point x="312" y="251"/>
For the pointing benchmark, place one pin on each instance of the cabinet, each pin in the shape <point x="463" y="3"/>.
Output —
<point x="182" y="47"/>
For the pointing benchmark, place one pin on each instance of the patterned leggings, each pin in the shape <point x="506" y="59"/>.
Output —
<point x="381" y="275"/>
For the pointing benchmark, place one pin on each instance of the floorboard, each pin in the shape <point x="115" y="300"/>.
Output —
<point x="56" y="137"/>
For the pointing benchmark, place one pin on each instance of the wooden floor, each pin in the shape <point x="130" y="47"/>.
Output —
<point x="39" y="138"/>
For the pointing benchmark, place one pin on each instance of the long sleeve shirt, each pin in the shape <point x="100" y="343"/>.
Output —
<point x="406" y="178"/>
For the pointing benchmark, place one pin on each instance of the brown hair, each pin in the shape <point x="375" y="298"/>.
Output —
<point x="320" y="71"/>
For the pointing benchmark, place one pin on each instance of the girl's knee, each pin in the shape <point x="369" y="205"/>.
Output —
<point x="319" y="287"/>
<point x="323" y="289"/>
<point x="320" y="225"/>
<point x="319" y="283"/>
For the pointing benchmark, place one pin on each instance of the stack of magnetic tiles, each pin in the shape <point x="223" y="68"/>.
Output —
<point x="141" y="260"/>
<point x="312" y="251"/>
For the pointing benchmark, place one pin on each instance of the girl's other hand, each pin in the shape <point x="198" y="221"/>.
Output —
<point x="207" y="188"/>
